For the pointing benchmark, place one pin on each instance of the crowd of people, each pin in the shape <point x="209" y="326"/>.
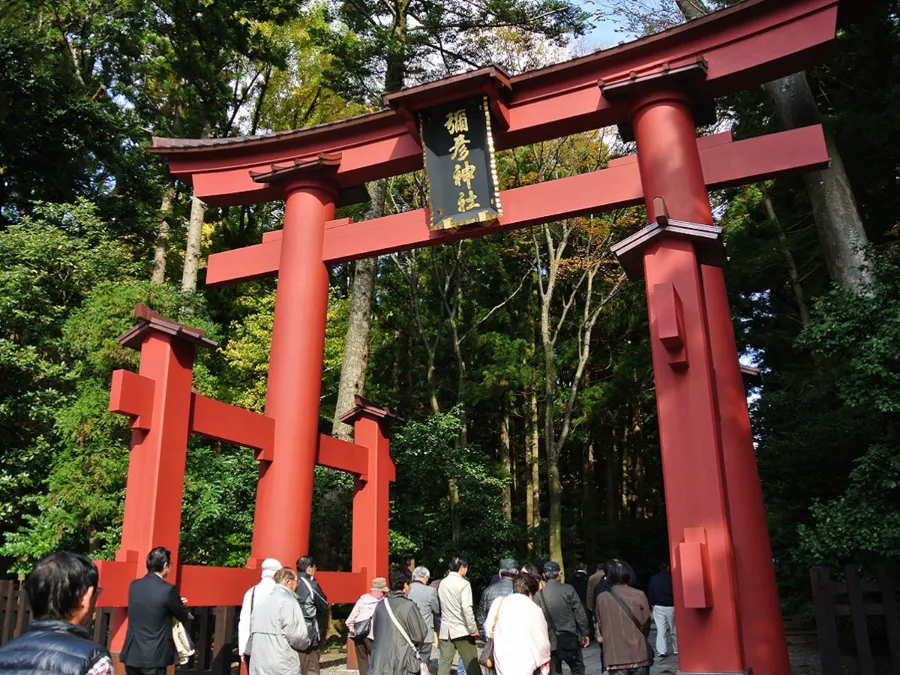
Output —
<point x="528" y="621"/>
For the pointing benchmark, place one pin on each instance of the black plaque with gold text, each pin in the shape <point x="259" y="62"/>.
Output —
<point x="459" y="163"/>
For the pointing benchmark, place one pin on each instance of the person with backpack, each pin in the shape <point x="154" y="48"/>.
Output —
<point x="313" y="604"/>
<point x="567" y="621"/>
<point x="623" y="622"/>
<point x="359" y="623"/>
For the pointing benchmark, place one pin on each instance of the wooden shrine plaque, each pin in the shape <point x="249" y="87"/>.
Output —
<point x="459" y="163"/>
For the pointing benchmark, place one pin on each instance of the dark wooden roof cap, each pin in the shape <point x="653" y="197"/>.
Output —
<point x="148" y="320"/>
<point x="300" y="168"/>
<point x="752" y="376"/>
<point x="707" y="240"/>
<point x="363" y="407"/>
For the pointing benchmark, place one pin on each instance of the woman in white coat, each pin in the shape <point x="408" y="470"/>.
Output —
<point x="519" y="629"/>
<point x="278" y="630"/>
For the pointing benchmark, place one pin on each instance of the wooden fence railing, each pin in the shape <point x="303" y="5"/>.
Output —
<point x="863" y="599"/>
<point x="213" y="630"/>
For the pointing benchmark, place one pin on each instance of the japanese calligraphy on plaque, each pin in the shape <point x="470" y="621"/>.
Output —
<point x="459" y="163"/>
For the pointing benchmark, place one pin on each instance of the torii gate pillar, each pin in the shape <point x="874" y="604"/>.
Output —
<point x="295" y="371"/>
<point x="717" y="528"/>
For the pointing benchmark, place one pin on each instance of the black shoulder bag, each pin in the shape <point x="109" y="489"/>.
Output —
<point x="637" y="624"/>
<point x="567" y="644"/>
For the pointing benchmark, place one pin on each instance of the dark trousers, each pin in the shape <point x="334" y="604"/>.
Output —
<point x="309" y="661"/>
<point x="132" y="670"/>
<point x="466" y="648"/>
<point x="363" y="653"/>
<point x="643" y="670"/>
<point x="425" y="651"/>
<point x="574" y="659"/>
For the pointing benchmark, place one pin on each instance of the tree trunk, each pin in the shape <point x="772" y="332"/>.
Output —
<point x="610" y="465"/>
<point x="840" y="227"/>
<point x="356" y="347"/>
<point x="793" y="273"/>
<point x="158" y="276"/>
<point x="533" y="475"/>
<point x="505" y="459"/>
<point x="841" y="233"/>
<point x="192" y="247"/>
<point x="194" y="238"/>
<point x="359" y="324"/>
<point x="555" y="523"/>
<point x="588" y="501"/>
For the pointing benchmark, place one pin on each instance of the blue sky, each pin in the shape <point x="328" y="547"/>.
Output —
<point x="605" y="35"/>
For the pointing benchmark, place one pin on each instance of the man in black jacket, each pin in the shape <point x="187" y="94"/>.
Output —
<point x="62" y="590"/>
<point x="314" y="606"/>
<point x="152" y="602"/>
<point x="566" y="620"/>
<point x="508" y="569"/>
<point x="662" y="600"/>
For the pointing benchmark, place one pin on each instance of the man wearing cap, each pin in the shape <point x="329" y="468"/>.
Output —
<point x="314" y="605"/>
<point x="255" y="595"/>
<point x="566" y="620"/>
<point x="508" y="570"/>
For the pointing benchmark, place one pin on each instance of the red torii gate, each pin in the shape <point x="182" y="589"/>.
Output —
<point x="658" y="89"/>
<point x="164" y="410"/>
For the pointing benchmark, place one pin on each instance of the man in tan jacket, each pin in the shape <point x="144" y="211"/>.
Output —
<point x="458" y="628"/>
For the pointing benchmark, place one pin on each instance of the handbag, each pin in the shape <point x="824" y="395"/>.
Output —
<point x="423" y="667"/>
<point x="486" y="658"/>
<point x="566" y="643"/>
<point x="361" y="629"/>
<point x="184" y="648"/>
<point x="637" y="624"/>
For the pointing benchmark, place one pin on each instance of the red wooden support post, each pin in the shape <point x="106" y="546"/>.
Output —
<point x="762" y="625"/>
<point x="158" y="400"/>
<point x="706" y="602"/>
<point x="371" y="491"/>
<point x="295" y="375"/>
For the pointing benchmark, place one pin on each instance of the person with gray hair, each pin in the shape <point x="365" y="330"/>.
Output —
<point x="278" y="631"/>
<point x="426" y="600"/>
<point x="252" y="599"/>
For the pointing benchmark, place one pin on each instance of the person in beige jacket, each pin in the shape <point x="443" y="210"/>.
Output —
<point x="458" y="627"/>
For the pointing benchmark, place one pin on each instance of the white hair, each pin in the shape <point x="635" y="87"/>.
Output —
<point x="421" y="573"/>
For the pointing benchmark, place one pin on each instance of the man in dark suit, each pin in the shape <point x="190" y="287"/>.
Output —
<point x="152" y="602"/>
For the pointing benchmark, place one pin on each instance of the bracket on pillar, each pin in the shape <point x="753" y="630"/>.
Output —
<point x="670" y="324"/>
<point x="707" y="240"/>
<point x="693" y="561"/>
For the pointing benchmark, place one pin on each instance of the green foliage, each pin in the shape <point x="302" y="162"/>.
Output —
<point x="427" y="455"/>
<point x="862" y="526"/>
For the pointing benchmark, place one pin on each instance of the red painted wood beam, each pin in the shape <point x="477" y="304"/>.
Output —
<point x="132" y="394"/>
<point x="754" y="41"/>
<point x="725" y="164"/>
<point x="219" y="586"/>
<point x="343" y="456"/>
<point x="231" y="424"/>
